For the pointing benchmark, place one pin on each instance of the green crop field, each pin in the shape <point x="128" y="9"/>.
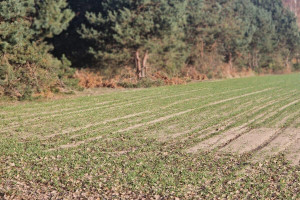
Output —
<point x="231" y="139"/>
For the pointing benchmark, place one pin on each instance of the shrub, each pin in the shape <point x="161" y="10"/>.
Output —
<point x="26" y="66"/>
<point x="296" y="67"/>
<point x="89" y="79"/>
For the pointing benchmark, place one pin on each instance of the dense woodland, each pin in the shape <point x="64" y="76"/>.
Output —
<point x="43" y="42"/>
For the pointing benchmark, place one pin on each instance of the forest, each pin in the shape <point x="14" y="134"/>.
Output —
<point x="58" y="45"/>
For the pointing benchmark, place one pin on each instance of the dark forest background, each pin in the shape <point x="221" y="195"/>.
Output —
<point x="52" y="45"/>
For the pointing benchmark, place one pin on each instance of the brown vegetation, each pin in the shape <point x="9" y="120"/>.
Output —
<point x="89" y="79"/>
<point x="127" y="78"/>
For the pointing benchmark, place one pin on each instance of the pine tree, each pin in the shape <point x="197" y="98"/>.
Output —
<point x="216" y="26"/>
<point x="231" y="36"/>
<point x="133" y="32"/>
<point x="51" y="18"/>
<point x="26" y="65"/>
<point x="165" y="34"/>
<point x="285" y="34"/>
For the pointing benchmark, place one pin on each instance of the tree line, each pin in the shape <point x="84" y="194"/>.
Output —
<point x="42" y="41"/>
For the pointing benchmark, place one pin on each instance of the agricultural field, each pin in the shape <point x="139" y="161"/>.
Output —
<point x="230" y="139"/>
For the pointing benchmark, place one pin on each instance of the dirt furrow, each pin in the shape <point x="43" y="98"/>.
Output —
<point x="252" y="141"/>
<point x="269" y="115"/>
<point x="213" y="142"/>
<point x="72" y="145"/>
<point x="212" y="128"/>
<point x="53" y="112"/>
<point x="279" y="144"/>
<point x="186" y="111"/>
<point x="221" y="140"/>
<point x="201" y="97"/>
<point x="106" y="128"/>
<point x="29" y="121"/>
<point x="114" y="107"/>
<point x="155" y="121"/>
<point x="77" y="105"/>
<point x="258" y="117"/>
<point x="73" y="111"/>
<point x="293" y="151"/>
<point x="245" y="95"/>
<point x="91" y="125"/>
<point x="241" y="140"/>
<point x="190" y="110"/>
<point x="231" y="121"/>
<point x="184" y="93"/>
<point x="92" y="109"/>
<point x="279" y="134"/>
<point x="76" y="111"/>
<point x="283" y="121"/>
<point x="290" y="104"/>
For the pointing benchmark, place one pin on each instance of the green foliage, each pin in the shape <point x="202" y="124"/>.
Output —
<point x="26" y="66"/>
<point x="143" y="83"/>
<point x="248" y="31"/>
<point x="277" y="34"/>
<point x="211" y="36"/>
<point x="242" y="33"/>
<point x="52" y="17"/>
<point x="124" y="28"/>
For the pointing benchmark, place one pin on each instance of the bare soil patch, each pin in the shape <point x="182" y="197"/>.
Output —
<point x="227" y="137"/>
<point x="250" y="140"/>
<point x="215" y="141"/>
<point x="293" y="151"/>
<point x="267" y="141"/>
<point x="283" y="143"/>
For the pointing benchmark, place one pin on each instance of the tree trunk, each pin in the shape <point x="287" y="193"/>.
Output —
<point x="250" y="61"/>
<point x="287" y="63"/>
<point x="202" y="49"/>
<point x="141" y="65"/>
<point x="230" y="61"/>
<point x="144" y="66"/>
<point x="255" y="60"/>
<point x="138" y="65"/>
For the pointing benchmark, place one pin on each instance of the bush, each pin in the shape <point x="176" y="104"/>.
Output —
<point x="89" y="79"/>
<point x="127" y="85"/>
<point x="42" y="74"/>
<point x="26" y="66"/>
<point x="296" y="67"/>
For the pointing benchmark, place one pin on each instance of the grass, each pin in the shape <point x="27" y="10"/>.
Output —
<point x="135" y="144"/>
